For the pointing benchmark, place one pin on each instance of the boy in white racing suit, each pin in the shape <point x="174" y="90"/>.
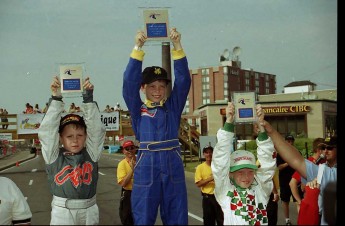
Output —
<point x="73" y="168"/>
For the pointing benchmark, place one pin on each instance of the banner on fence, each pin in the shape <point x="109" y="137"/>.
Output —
<point x="29" y="123"/>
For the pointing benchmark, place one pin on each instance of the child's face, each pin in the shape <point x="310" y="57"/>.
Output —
<point x="243" y="177"/>
<point x="129" y="152"/>
<point x="155" y="91"/>
<point x="208" y="155"/>
<point x="73" y="138"/>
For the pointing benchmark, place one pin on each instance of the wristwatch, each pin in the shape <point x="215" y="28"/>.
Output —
<point x="137" y="48"/>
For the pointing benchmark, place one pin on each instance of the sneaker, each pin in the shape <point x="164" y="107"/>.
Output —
<point x="288" y="223"/>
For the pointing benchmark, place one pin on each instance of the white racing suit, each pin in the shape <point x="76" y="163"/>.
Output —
<point x="243" y="206"/>
<point x="72" y="178"/>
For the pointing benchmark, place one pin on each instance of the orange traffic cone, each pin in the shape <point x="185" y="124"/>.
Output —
<point x="17" y="164"/>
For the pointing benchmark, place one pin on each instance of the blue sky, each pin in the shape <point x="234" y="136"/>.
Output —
<point x="293" y="39"/>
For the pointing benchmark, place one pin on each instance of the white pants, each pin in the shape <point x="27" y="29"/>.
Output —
<point x="64" y="216"/>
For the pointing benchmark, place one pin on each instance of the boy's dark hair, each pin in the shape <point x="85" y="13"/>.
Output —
<point x="71" y="119"/>
<point x="208" y="147"/>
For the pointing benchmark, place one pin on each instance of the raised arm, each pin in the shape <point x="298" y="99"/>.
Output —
<point x="288" y="152"/>
<point x="48" y="131"/>
<point x="95" y="127"/>
<point x="221" y="155"/>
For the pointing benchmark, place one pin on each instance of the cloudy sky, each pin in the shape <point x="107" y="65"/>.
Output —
<point x="293" y="39"/>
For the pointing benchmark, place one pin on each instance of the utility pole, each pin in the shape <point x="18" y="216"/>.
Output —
<point x="166" y="63"/>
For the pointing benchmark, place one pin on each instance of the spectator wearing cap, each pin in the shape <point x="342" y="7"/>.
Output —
<point x="156" y="122"/>
<point x="309" y="171"/>
<point x="285" y="175"/>
<point x="212" y="212"/>
<point x="244" y="196"/>
<point x="73" y="168"/>
<point x="125" y="171"/>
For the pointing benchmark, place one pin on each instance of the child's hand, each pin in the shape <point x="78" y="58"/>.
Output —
<point x="269" y="129"/>
<point x="313" y="184"/>
<point x="87" y="84"/>
<point x="260" y="114"/>
<point x="140" y="39"/>
<point x="230" y="112"/>
<point x="132" y="162"/>
<point x="55" y="86"/>
<point x="175" y="38"/>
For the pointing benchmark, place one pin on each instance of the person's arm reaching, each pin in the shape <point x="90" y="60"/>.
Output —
<point x="288" y="152"/>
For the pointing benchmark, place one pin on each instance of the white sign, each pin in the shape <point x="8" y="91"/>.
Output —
<point x="28" y="123"/>
<point x="5" y="136"/>
<point x="111" y="120"/>
<point x="206" y="141"/>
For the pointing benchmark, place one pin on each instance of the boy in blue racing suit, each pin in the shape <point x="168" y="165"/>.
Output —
<point x="159" y="178"/>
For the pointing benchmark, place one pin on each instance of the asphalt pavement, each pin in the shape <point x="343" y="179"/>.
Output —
<point x="15" y="159"/>
<point x="21" y="156"/>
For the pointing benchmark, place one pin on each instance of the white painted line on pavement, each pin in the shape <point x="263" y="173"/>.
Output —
<point x="101" y="173"/>
<point x="195" y="217"/>
<point x="33" y="170"/>
<point x="31" y="181"/>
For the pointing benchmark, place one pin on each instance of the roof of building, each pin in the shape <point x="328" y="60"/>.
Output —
<point x="300" y="83"/>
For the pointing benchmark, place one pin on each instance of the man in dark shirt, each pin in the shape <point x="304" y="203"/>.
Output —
<point x="285" y="173"/>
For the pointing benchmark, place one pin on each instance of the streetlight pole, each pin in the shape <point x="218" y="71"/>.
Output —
<point x="166" y="63"/>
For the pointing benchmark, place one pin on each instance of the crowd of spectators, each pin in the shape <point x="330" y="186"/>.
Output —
<point x="29" y="109"/>
<point x="4" y="119"/>
<point x="109" y="109"/>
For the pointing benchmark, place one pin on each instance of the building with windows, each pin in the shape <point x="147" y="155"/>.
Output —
<point x="299" y="110"/>
<point x="303" y="114"/>
<point x="214" y="85"/>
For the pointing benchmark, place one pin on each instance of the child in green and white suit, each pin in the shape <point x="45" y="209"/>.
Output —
<point x="245" y="195"/>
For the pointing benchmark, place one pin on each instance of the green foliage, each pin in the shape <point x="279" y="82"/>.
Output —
<point x="300" y="144"/>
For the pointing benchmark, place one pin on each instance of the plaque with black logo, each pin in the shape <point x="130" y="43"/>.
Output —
<point x="244" y="106"/>
<point x="71" y="78"/>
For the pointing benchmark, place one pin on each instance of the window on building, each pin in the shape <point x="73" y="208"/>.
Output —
<point x="256" y="75"/>
<point x="266" y="77"/>
<point x="226" y="79"/>
<point x="205" y="71"/>
<point x="246" y="74"/>
<point x="225" y="70"/>
<point x="292" y="124"/>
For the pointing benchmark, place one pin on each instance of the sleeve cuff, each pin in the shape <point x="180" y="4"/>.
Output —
<point x="229" y="127"/>
<point x="58" y="98"/>
<point x="178" y="54"/>
<point x="88" y="96"/>
<point x="262" y="136"/>
<point x="137" y="54"/>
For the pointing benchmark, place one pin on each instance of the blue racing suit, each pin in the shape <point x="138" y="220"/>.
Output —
<point x="159" y="178"/>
